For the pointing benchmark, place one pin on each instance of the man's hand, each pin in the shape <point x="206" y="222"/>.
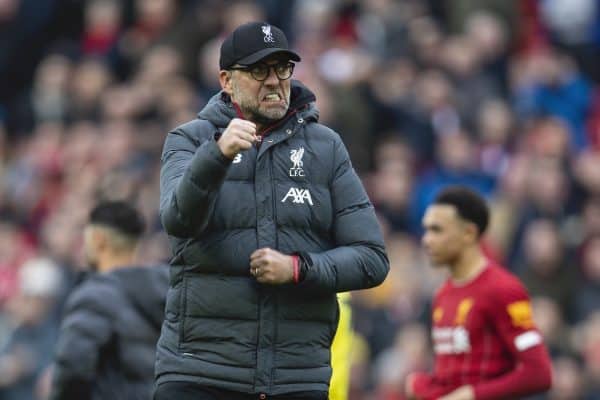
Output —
<point x="408" y="387"/>
<point x="271" y="267"/>
<point x="462" y="393"/>
<point x="239" y="135"/>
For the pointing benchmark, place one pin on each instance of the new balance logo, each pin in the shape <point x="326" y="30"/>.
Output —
<point x="298" y="196"/>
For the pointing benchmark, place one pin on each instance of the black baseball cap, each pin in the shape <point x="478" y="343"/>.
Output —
<point x="252" y="42"/>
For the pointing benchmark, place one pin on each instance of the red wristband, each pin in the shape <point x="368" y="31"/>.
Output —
<point x="296" y="269"/>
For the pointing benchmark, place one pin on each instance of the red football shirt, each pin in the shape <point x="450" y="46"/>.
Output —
<point x="484" y="335"/>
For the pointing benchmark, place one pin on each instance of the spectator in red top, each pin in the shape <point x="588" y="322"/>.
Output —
<point x="485" y="341"/>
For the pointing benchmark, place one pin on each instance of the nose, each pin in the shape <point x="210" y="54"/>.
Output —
<point x="425" y="239"/>
<point x="272" y="78"/>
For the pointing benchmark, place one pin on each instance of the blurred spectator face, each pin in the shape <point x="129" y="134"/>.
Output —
<point x="567" y="382"/>
<point x="551" y="67"/>
<point x="393" y="151"/>
<point x="591" y="259"/>
<point x="160" y="63"/>
<point x="60" y="234"/>
<point x="53" y="73"/>
<point x="455" y="151"/>
<point x="590" y="346"/>
<point x="433" y="90"/>
<point x="487" y="34"/>
<point x="587" y="171"/>
<point x="176" y="95"/>
<point x="494" y="122"/>
<point x="547" y="185"/>
<point x="445" y="234"/>
<point x="426" y="37"/>
<point x="548" y="318"/>
<point x="208" y="61"/>
<point x="549" y="137"/>
<point x="117" y="144"/>
<point x="393" y="81"/>
<point x="121" y="103"/>
<point x="459" y="56"/>
<point x="8" y="9"/>
<point x="392" y="185"/>
<point x="591" y="216"/>
<point x="240" y="13"/>
<point x="89" y="81"/>
<point x="102" y="17"/>
<point x="514" y="180"/>
<point x="155" y="13"/>
<point x="542" y="247"/>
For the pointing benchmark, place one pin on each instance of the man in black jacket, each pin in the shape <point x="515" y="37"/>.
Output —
<point x="107" y="344"/>
<point x="267" y="221"/>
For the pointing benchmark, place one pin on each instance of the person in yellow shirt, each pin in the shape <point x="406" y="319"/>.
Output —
<point x="341" y="351"/>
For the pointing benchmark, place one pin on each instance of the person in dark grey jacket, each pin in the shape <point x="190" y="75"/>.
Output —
<point x="267" y="221"/>
<point x="107" y="344"/>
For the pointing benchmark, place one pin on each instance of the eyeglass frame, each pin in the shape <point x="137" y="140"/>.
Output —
<point x="269" y="67"/>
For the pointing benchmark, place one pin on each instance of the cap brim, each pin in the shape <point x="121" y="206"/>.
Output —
<point x="264" y="53"/>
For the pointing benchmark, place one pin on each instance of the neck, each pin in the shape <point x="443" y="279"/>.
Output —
<point x="113" y="261"/>
<point x="468" y="265"/>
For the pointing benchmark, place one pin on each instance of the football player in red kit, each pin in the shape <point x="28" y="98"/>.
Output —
<point x="485" y="342"/>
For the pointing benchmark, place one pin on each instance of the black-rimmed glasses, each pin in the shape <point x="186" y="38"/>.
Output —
<point x="260" y="71"/>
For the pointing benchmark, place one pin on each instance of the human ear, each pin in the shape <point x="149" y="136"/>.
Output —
<point x="225" y="81"/>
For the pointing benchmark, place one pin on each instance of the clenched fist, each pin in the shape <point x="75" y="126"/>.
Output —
<point x="239" y="135"/>
<point x="272" y="267"/>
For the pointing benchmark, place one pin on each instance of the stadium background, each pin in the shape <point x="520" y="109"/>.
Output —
<point x="501" y="95"/>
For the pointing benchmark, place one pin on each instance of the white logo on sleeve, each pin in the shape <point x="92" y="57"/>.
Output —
<point x="297" y="163"/>
<point x="528" y="340"/>
<point x="268" y="35"/>
<point x="298" y="196"/>
<point x="238" y="158"/>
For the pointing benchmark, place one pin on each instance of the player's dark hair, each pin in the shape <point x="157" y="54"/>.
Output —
<point x="469" y="205"/>
<point x="118" y="215"/>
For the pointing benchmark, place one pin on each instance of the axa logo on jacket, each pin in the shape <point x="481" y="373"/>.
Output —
<point x="298" y="196"/>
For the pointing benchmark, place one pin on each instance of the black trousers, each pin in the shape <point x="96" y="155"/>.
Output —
<point x="192" y="391"/>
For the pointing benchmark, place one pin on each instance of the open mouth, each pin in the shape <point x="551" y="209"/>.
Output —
<point x="272" y="97"/>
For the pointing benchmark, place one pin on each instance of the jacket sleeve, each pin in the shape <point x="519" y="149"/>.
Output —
<point x="359" y="260"/>
<point x="85" y="329"/>
<point x="190" y="177"/>
<point x="511" y="314"/>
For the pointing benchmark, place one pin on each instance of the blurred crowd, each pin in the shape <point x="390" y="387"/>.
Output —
<point x="501" y="95"/>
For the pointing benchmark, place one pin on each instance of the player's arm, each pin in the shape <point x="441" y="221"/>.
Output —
<point x="190" y="176"/>
<point x="513" y="320"/>
<point x="86" y="327"/>
<point x="422" y="386"/>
